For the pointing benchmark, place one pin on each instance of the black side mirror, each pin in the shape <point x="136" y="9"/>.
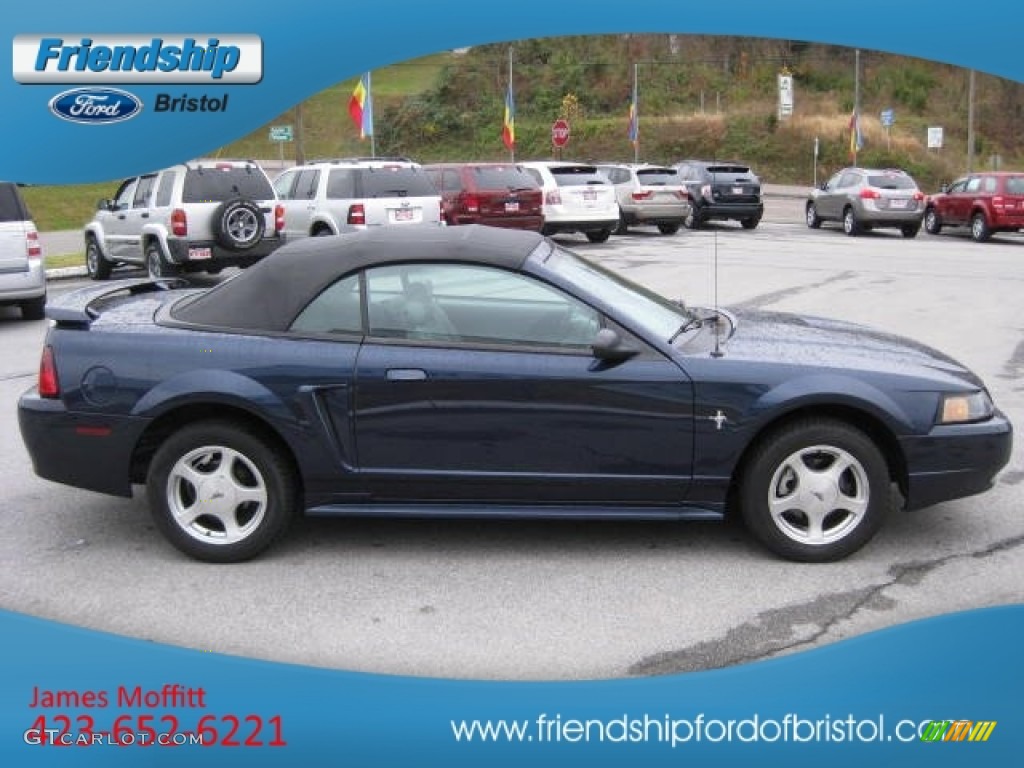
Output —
<point x="105" y="205"/>
<point x="609" y="347"/>
<point x="944" y="188"/>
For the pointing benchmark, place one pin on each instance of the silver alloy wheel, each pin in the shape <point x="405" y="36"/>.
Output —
<point x="92" y="257"/>
<point x="818" y="495"/>
<point x="241" y="225"/>
<point x="154" y="264"/>
<point x="849" y="222"/>
<point x="978" y="229"/>
<point x="216" y="495"/>
<point x="812" y="215"/>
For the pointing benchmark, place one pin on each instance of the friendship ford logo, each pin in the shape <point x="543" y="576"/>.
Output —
<point x="95" y="105"/>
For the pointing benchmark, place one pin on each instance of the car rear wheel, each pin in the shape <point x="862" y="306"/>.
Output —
<point x="599" y="235"/>
<point x="34" y="309"/>
<point x="668" y="229"/>
<point x="815" y="491"/>
<point x="812" y="216"/>
<point x="156" y="265"/>
<point x="750" y="223"/>
<point x="692" y="220"/>
<point x="219" y="492"/>
<point x="95" y="263"/>
<point x="979" y="228"/>
<point x="623" y="227"/>
<point x="932" y="222"/>
<point x="851" y="225"/>
<point x="910" y="230"/>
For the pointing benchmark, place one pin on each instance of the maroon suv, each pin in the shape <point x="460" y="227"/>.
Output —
<point x="986" y="202"/>
<point x="501" y="195"/>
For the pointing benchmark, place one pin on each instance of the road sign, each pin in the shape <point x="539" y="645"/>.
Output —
<point x="888" y="117"/>
<point x="560" y="132"/>
<point x="280" y="133"/>
<point x="935" y="137"/>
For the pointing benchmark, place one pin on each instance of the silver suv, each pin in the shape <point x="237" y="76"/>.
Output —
<point x="22" y="278"/>
<point x="867" y="198"/>
<point x="648" y="194"/>
<point x="327" y="196"/>
<point x="194" y="217"/>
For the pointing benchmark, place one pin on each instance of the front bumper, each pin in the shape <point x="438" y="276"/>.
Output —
<point x="956" y="460"/>
<point x="84" y="450"/>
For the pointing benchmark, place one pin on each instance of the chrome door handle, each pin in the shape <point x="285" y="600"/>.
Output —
<point x="406" y="374"/>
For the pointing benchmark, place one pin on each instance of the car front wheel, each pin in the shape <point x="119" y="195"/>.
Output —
<point x="815" y="491"/>
<point x="95" y="263"/>
<point x="812" y="216"/>
<point x="932" y="222"/>
<point x="219" y="492"/>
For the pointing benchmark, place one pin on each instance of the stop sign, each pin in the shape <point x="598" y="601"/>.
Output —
<point x="560" y="132"/>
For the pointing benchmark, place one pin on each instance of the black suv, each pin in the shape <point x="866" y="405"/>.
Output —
<point x="721" y="190"/>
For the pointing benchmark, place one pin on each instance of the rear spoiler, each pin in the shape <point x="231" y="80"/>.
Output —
<point x="76" y="307"/>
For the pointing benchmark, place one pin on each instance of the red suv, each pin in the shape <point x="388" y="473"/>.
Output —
<point x="501" y="195"/>
<point x="987" y="202"/>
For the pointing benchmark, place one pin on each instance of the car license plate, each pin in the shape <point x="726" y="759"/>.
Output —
<point x="512" y="206"/>
<point x="737" y="190"/>
<point x="404" y="214"/>
<point x="590" y="194"/>
<point x="898" y="203"/>
<point x="195" y="254"/>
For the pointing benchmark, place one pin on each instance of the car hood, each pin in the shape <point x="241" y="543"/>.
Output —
<point x="826" y="343"/>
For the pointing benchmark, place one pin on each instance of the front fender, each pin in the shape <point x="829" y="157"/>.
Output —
<point x="95" y="231"/>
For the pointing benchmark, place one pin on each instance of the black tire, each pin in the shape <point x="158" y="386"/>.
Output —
<point x="96" y="263"/>
<point x="851" y="224"/>
<point x="668" y="229"/>
<point x="980" y="230"/>
<point x="751" y="222"/>
<point x="599" y="235"/>
<point x="910" y="230"/>
<point x="622" y="228"/>
<point x="692" y="220"/>
<point x="34" y="309"/>
<point x="238" y="224"/>
<point x="156" y="265"/>
<point x="811" y="216"/>
<point x="815" y="463"/>
<point x="932" y="222"/>
<point x="245" y="482"/>
<point x="323" y="231"/>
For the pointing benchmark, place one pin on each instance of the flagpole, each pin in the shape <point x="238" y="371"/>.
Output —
<point x="636" y="111"/>
<point x="512" y="149"/>
<point x="369" y="102"/>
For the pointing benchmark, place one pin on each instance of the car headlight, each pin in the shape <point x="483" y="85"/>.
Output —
<point x="966" y="407"/>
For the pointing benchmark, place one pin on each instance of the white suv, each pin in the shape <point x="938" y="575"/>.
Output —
<point x="22" y="278"/>
<point x="327" y="196"/>
<point x="577" y="198"/>
<point x="194" y="217"/>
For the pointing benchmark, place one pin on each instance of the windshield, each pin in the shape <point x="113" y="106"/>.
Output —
<point x="660" y="317"/>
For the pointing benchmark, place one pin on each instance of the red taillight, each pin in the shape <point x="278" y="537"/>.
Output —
<point x="179" y="223"/>
<point x="471" y="203"/>
<point x="919" y="196"/>
<point x="48" y="385"/>
<point x="643" y="195"/>
<point x="356" y="214"/>
<point x="869" y="194"/>
<point x="553" y="197"/>
<point x="278" y="218"/>
<point x="35" y="250"/>
<point x="682" y="194"/>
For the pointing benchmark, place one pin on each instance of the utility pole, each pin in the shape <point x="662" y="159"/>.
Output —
<point x="855" y="127"/>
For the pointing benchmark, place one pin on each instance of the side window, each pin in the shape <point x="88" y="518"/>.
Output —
<point x="833" y="183"/>
<point x="973" y="184"/>
<point x="336" y="310"/>
<point x="125" y="194"/>
<point x="165" y="189"/>
<point x="989" y="183"/>
<point x="341" y="184"/>
<point x="473" y="304"/>
<point x="848" y="179"/>
<point x="142" y="191"/>
<point x="306" y="184"/>
<point x="284" y="184"/>
<point x="958" y="186"/>
<point x="451" y="181"/>
<point x="536" y="176"/>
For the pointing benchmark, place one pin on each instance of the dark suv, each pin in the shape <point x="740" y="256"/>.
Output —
<point x="500" y="195"/>
<point x="721" y="190"/>
<point x="986" y="202"/>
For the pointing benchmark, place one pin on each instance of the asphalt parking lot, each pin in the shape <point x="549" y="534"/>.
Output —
<point x="542" y="600"/>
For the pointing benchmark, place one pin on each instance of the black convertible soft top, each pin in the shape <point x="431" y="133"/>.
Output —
<point x="269" y="295"/>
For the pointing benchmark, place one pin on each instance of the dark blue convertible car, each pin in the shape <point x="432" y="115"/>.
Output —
<point x="478" y="371"/>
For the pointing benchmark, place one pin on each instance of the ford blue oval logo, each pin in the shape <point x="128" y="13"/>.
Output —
<point x="95" y="105"/>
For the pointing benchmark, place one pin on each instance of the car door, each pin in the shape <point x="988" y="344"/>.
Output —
<point x="479" y="384"/>
<point x="296" y="191"/>
<point x="825" y="201"/>
<point x="117" y="233"/>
